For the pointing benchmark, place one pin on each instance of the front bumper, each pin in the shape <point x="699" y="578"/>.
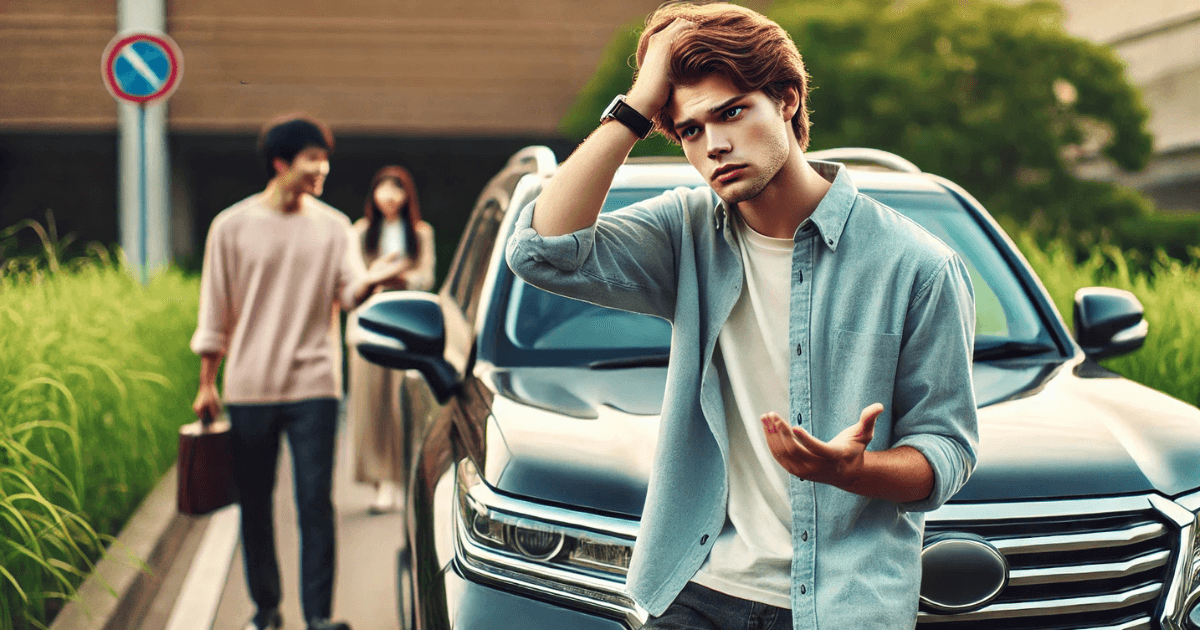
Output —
<point x="471" y="605"/>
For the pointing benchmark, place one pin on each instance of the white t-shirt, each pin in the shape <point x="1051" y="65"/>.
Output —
<point x="752" y="557"/>
<point x="392" y="238"/>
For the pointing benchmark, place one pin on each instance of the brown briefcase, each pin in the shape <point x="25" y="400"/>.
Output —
<point x="205" y="467"/>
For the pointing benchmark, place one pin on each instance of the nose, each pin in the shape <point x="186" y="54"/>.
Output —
<point x="324" y="168"/>
<point x="718" y="143"/>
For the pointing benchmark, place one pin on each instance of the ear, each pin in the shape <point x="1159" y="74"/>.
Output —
<point x="281" y="166"/>
<point x="791" y="103"/>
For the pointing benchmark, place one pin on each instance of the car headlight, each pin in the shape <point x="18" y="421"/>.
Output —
<point x="569" y="555"/>
<point x="1188" y="575"/>
<point x="1191" y="602"/>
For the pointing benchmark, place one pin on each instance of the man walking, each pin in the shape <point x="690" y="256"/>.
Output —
<point x="275" y="264"/>
<point x="819" y="398"/>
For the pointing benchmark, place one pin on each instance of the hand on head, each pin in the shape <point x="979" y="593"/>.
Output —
<point x="651" y="90"/>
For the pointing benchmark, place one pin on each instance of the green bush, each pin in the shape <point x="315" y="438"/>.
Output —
<point x="95" y="379"/>
<point x="1169" y="291"/>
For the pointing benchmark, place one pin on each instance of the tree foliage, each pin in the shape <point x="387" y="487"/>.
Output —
<point x="995" y="96"/>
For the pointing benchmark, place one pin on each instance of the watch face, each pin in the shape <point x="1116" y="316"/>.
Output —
<point x="612" y="107"/>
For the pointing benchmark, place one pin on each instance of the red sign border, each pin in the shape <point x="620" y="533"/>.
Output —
<point x="118" y="43"/>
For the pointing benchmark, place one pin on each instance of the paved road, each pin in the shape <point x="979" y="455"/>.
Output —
<point x="365" y="592"/>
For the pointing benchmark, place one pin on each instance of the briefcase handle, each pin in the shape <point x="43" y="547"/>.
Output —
<point x="206" y="424"/>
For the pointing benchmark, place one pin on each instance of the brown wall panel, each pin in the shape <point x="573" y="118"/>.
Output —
<point x="458" y="67"/>
<point x="50" y="65"/>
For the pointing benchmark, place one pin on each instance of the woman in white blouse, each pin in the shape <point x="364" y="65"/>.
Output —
<point x="391" y="227"/>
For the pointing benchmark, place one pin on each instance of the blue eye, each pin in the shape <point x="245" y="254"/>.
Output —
<point x="734" y="112"/>
<point x="689" y="132"/>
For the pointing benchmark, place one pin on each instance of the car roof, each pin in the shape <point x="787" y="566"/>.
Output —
<point x="668" y="172"/>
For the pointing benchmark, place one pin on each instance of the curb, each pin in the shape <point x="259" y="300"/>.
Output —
<point x="126" y="579"/>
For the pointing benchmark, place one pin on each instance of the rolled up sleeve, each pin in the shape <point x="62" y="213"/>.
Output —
<point x="935" y="400"/>
<point x="214" y="319"/>
<point x="351" y="271"/>
<point x="527" y="249"/>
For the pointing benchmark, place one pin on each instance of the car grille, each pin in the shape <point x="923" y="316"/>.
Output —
<point x="1083" y="572"/>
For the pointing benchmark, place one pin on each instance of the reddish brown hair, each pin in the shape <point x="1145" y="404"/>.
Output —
<point x="750" y="50"/>
<point x="410" y="213"/>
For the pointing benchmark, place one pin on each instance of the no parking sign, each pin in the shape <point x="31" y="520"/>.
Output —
<point x="141" y="67"/>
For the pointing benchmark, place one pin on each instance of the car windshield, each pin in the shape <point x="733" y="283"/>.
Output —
<point x="540" y="328"/>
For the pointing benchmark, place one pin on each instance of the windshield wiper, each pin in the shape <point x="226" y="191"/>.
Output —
<point x="647" y="360"/>
<point x="1010" y="350"/>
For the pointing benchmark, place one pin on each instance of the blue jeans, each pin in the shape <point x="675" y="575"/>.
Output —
<point x="311" y="427"/>
<point x="701" y="608"/>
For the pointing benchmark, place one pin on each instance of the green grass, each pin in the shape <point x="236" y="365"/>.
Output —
<point x="95" y="379"/>
<point x="1168" y="289"/>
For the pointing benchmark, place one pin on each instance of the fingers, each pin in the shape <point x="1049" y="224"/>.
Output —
<point x="866" y="423"/>
<point x="815" y="446"/>
<point x="786" y="449"/>
<point x="651" y="89"/>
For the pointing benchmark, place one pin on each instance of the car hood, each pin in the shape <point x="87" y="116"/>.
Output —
<point x="586" y="438"/>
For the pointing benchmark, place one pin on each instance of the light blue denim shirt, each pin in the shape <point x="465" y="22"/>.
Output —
<point x="881" y="311"/>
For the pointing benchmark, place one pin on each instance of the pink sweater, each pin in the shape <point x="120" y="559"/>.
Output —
<point x="267" y="290"/>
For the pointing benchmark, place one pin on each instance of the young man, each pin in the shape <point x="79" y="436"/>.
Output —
<point x="819" y="397"/>
<point x="275" y="264"/>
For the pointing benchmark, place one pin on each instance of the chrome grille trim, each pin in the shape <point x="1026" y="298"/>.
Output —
<point x="1099" y="564"/>
<point x="1038" y="509"/>
<point x="1079" y="573"/>
<point x="1143" y="623"/>
<point x="1068" y="606"/>
<point x="1076" y="542"/>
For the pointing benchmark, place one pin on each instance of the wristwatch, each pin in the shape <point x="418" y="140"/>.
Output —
<point x="620" y="111"/>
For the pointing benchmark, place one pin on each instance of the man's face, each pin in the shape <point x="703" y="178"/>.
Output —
<point x="737" y="141"/>
<point x="306" y="173"/>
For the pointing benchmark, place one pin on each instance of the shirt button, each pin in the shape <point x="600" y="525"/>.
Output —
<point x="804" y="536"/>
<point x="830" y="242"/>
<point x="704" y="539"/>
<point x="803" y="590"/>
<point x="799" y="351"/>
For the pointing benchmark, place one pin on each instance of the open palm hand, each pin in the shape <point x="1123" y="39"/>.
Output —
<point x="835" y="462"/>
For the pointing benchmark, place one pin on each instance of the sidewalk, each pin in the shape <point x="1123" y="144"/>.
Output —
<point x="365" y="591"/>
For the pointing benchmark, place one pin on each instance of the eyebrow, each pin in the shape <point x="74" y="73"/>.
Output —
<point x="683" y="124"/>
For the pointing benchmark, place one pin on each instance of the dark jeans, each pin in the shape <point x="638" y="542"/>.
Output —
<point x="701" y="608"/>
<point x="311" y="427"/>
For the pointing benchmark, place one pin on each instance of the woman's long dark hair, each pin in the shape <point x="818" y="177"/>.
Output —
<point x="410" y="212"/>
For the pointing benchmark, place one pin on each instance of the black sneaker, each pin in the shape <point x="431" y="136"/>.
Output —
<point x="325" y="624"/>
<point x="271" y="620"/>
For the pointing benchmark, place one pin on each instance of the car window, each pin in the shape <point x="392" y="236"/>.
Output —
<point x="541" y="328"/>
<point x="1002" y="308"/>
<point x="476" y="248"/>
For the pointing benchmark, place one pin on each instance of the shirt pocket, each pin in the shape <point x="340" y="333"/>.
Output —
<point x="866" y="374"/>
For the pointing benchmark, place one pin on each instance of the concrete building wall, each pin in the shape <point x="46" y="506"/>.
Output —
<point x="1159" y="40"/>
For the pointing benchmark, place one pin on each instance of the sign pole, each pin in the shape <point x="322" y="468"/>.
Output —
<point x="141" y="68"/>
<point x="143" y="193"/>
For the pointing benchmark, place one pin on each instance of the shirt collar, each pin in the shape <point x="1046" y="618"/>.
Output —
<point x="831" y="213"/>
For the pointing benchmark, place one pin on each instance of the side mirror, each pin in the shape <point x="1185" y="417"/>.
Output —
<point x="404" y="330"/>
<point x="1109" y="322"/>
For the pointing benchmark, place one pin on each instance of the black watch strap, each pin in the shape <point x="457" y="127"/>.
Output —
<point x="620" y="111"/>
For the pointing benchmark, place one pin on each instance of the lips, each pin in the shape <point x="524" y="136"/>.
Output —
<point x="728" y="172"/>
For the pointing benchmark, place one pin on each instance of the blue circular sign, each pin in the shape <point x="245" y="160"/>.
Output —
<point x="141" y="67"/>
